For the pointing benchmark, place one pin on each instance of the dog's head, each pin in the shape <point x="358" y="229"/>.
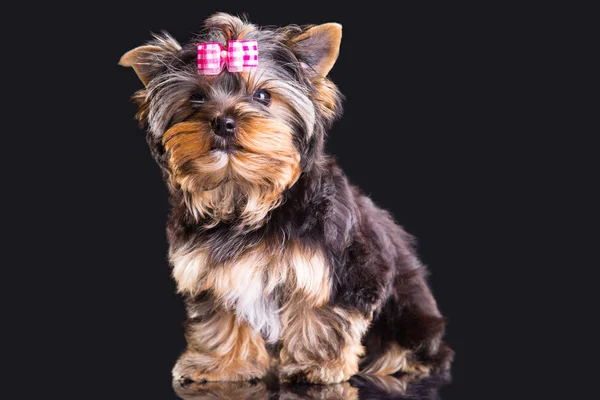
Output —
<point x="234" y="142"/>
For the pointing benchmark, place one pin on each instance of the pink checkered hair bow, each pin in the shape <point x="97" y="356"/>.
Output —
<point x="241" y="55"/>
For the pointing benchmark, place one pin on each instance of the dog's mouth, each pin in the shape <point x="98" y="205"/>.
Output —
<point x="227" y="149"/>
<point x="224" y="145"/>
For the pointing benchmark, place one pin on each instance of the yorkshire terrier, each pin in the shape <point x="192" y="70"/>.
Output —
<point x="283" y="264"/>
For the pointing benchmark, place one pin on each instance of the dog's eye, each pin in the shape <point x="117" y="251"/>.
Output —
<point x="262" y="96"/>
<point x="198" y="99"/>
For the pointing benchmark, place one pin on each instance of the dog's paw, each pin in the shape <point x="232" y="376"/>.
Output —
<point x="198" y="376"/>
<point x="191" y="375"/>
<point x="323" y="375"/>
<point x="192" y="367"/>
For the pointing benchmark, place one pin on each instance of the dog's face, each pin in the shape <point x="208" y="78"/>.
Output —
<point x="232" y="143"/>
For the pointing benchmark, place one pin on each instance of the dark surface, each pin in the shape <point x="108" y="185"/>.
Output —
<point x="438" y="139"/>
<point x="358" y="388"/>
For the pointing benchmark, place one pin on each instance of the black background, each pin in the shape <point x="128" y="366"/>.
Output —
<point x="443" y="138"/>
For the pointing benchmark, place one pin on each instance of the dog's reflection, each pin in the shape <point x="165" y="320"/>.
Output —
<point x="222" y="390"/>
<point x="359" y="387"/>
<point x="261" y="391"/>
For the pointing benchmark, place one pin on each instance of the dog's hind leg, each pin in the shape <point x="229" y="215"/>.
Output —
<point x="406" y="334"/>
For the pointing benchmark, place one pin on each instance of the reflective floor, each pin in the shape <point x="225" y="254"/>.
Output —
<point x="358" y="388"/>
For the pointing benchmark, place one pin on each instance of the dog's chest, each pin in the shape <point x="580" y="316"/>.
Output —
<point x="258" y="284"/>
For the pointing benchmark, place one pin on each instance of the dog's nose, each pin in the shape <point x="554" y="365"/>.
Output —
<point x="224" y="126"/>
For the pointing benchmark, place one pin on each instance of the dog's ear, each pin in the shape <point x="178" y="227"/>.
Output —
<point x="147" y="61"/>
<point x="319" y="46"/>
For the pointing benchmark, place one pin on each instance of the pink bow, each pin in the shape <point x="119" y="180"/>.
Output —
<point x="241" y="55"/>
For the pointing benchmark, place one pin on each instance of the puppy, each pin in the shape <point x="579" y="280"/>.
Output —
<point x="283" y="264"/>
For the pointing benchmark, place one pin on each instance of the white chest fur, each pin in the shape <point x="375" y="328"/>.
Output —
<point x="258" y="284"/>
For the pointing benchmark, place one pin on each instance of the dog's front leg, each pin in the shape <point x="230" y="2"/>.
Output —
<point x="320" y="344"/>
<point x="220" y="348"/>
